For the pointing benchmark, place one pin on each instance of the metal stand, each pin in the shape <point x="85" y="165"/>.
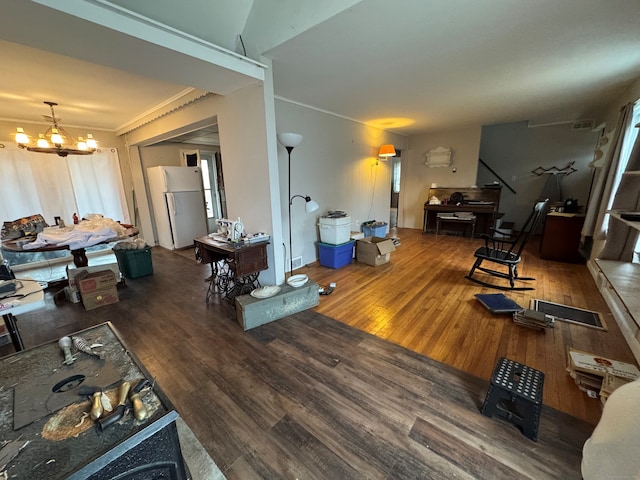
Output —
<point x="223" y="281"/>
<point x="14" y="333"/>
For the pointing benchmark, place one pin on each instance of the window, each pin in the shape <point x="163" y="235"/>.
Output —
<point x="625" y="153"/>
<point x="628" y="141"/>
<point x="396" y="175"/>
<point x="210" y="182"/>
<point x="36" y="183"/>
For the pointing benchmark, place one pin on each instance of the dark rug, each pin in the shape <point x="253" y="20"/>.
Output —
<point x="569" y="314"/>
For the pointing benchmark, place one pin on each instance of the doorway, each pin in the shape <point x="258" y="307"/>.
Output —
<point x="395" y="189"/>
<point x="213" y="183"/>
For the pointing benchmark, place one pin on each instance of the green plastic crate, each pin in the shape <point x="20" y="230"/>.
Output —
<point x="134" y="263"/>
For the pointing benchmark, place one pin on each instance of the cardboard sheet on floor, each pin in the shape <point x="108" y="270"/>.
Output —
<point x="34" y="398"/>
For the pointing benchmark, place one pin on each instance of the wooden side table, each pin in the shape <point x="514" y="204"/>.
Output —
<point x="561" y="237"/>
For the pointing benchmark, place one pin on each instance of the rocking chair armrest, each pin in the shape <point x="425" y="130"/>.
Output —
<point x="505" y="237"/>
<point x="488" y="239"/>
<point x="498" y="239"/>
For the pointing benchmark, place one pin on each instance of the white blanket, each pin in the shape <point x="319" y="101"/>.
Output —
<point x="85" y="234"/>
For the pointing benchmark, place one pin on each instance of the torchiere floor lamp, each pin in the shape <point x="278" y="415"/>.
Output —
<point x="289" y="141"/>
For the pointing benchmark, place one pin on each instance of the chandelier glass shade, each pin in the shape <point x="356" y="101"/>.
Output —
<point x="56" y="140"/>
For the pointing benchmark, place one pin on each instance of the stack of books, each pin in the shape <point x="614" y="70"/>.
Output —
<point x="598" y="376"/>
<point x="609" y="384"/>
<point x="533" y="319"/>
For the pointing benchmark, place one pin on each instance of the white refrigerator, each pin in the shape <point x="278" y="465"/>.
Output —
<point x="178" y="205"/>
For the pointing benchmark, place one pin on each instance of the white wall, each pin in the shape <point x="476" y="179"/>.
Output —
<point x="513" y="150"/>
<point x="336" y="166"/>
<point x="417" y="178"/>
<point x="243" y="122"/>
<point x="631" y="94"/>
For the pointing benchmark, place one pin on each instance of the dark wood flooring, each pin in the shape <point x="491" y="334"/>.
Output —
<point x="310" y="397"/>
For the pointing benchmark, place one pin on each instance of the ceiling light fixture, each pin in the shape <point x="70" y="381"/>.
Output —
<point x="56" y="139"/>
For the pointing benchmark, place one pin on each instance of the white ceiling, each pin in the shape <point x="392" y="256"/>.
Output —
<point x="410" y="65"/>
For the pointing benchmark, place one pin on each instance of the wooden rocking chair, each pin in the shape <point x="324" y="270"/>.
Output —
<point x="506" y="250"/>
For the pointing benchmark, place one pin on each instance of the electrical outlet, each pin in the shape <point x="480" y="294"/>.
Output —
<point x="513" y="178"/>
<point x="357" y="223"/>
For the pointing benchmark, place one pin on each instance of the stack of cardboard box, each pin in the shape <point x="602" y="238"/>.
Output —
<point x="97" y="288"/>
<point x="72" y="292"/>
<point x="598" y="376"/>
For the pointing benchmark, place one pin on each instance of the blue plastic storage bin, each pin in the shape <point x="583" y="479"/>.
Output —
<point x="335" y="256"/>
<point x="375" y="230"/>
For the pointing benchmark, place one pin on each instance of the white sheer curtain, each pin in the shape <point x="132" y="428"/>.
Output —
<point x="53" y="186"/>
<point x="601" y="196"/>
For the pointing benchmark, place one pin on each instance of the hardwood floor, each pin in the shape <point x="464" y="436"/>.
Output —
<point x="309" y="397"/>
<point x="422" y="301"/>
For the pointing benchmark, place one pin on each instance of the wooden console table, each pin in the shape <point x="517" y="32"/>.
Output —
<point x="234" y="269"/>
<point x="483" y="203"/>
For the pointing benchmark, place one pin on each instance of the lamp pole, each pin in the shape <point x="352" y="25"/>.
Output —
<point x="289" y="140"/>
<point x="289" y="149"/>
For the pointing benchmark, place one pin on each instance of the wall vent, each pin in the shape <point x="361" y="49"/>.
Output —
<point x="296" y="262"/>
<point x="582" y="125"/>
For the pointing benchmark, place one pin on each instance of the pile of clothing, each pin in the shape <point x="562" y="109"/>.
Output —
<point x="86" y="233"/>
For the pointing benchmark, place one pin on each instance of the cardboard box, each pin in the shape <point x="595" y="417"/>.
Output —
<point x="98" y="298"/>
<point x="374" y="250"/>
<point x="92" y="282"/>
<point x="73" y="271"/>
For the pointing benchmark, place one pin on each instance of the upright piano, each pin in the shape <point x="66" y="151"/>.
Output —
<point x="483" y="203"/>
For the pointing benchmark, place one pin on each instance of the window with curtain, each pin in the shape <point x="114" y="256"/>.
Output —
<point x="53" y="186"/>
<point x="627" y="145"/>
<point x="622" y="241"/>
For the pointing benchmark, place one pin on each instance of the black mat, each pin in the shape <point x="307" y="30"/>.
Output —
<point x="569" y="314"/>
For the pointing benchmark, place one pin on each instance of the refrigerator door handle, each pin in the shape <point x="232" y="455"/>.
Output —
<point x="171" y="203"/>
<point x="165" y="180"/>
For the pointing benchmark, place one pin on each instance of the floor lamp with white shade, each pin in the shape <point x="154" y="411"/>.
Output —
<point x="289" y="141"/>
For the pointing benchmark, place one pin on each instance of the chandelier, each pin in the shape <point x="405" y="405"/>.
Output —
<point x="56" y="139"/>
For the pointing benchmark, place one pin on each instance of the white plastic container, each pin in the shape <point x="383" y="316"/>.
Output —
<point x="335" y="231"/>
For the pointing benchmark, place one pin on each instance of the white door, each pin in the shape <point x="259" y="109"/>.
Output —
<point x="187" y="217"/>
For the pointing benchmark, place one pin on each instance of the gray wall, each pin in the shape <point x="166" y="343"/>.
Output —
<point x="513" y="150"/>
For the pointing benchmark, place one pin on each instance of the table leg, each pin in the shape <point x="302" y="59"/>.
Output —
<point x="80" y="257"/>
<point x="14" y="333"/>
